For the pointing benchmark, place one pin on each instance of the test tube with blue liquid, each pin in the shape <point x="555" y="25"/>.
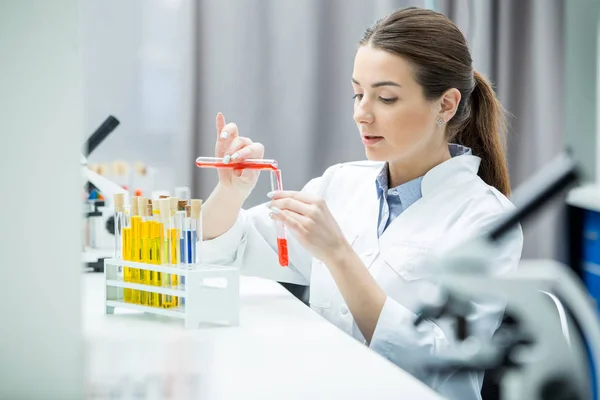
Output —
<point x="190" y="234"/>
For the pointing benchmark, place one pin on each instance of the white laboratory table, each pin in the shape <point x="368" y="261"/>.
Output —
<point x="281" y="350"/>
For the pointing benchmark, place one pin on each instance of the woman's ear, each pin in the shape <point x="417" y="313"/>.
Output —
<point x="449" y="103"/>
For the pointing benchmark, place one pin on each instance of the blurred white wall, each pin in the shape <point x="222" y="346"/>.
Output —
<point x="582" y="58"/>
<point x="41" y="346"/>
<point x="138" y="66"/>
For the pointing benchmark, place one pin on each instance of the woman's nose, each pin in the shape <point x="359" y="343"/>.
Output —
<point x="362" y="115"/>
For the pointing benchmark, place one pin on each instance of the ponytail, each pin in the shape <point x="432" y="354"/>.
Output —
<point x="484" y="131"/>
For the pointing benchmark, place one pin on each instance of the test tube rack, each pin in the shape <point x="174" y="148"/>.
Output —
<point x="211" y="293"/>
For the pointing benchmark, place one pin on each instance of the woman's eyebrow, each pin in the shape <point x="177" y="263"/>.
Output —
<point x="379" y="84"/>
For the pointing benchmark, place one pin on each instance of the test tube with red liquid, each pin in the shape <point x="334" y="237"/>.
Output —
<point x="276" y="184"/>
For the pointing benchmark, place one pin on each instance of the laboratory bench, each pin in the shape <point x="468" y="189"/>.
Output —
<point x="280" y="350"/>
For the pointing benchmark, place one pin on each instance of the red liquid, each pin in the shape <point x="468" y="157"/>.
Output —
<point x="235" y="165"/>
<point x="282" y="247"/>
<point x="282" y="251"/>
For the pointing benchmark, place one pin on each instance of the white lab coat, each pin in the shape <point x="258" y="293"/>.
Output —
<point x="456" y="205"/>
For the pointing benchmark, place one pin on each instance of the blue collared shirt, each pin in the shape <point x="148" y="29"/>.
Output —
<point x="393" y="202"/>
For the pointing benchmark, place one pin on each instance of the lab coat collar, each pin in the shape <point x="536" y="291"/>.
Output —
<point x="451" y="172"/>
<point x="448" y="168"/>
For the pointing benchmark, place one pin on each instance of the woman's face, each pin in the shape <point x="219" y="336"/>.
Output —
<point x="395" y="121"/>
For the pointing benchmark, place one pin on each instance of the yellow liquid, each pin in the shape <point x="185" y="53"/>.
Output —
<point x="156" y="278"/>
<point x="126" y="232"/>
<point x="162" y="246"/>
<point x="166" y="299"/>
<point x="145" y="255"/>
<point x="175" y="252"/>
<point x="136" y="226"/>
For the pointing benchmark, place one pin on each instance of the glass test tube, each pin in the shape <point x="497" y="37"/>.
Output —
<point x="217" y="162"/>
<point x="150" y="252"/>
<point x="188" y="248"/>
<point x="185" y="261"/>
<point x="195" y="236"/>
<point x="136" y="230"/>
<point x="156" y="239"/>
<point x="164" y="245"/>
<point x="174" y="234"/>
<point x="145" y="296"/>
<point x="119" y="199"/>
<point x="120" y="222"/>
<point x="167" y="219"/>
<point x="282" y="247"/>
<point x="180" y="219"/>
<point x="180" y="225"/>
<point x="126" y="245"/>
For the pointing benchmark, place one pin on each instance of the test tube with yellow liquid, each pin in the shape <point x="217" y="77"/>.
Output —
<point x="167" y="220"/>
<point x="174" y="245"/>
<point x="156" y="231"/>
<point x="136" y="230"/>
<point x="151" y="252"/>
<point x="174" y="240"/>
<point x="145" y="297"/>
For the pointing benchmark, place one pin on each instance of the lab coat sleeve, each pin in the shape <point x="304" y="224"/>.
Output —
<point x="251" y="243"/>
<point x="396" y="338"/>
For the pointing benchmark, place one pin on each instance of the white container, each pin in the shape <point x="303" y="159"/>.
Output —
<point x="211" y="293"/>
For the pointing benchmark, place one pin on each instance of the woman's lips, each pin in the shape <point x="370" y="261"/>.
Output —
<point x="370" y="140"/>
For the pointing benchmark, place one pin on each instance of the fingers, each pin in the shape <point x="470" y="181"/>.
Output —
<point x="237" y="144"/>
<point x="220" y="123"/>
<point x="253" y="150"/>
<point x="300" y="196"/>
<point x="293" y="205"/>
<point x="233" y="147"/>
<point x="295" y="222"/>
<point x="242" y="149"/>
<point x="228" y="132"/>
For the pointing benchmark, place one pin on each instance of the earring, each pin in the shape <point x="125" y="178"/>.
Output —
<point x="440" y="122"/>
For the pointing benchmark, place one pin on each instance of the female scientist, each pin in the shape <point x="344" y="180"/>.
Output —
<point x="432" y="129"/>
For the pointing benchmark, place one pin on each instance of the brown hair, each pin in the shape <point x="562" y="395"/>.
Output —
<point x="440" y="54"/>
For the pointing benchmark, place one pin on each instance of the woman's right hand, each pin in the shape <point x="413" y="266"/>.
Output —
<point x="234" y="148"/>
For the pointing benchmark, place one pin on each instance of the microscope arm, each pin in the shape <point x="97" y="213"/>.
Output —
<point x="107" y="187"/>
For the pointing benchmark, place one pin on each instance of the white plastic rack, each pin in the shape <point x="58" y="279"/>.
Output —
<point x="211" y="293"/>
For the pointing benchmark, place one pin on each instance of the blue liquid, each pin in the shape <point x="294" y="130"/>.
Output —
<point x="191" y="241"/>
<point x="190" y="238"/>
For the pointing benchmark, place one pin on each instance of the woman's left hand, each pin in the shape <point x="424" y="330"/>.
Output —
<point x="311" y="222"/>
